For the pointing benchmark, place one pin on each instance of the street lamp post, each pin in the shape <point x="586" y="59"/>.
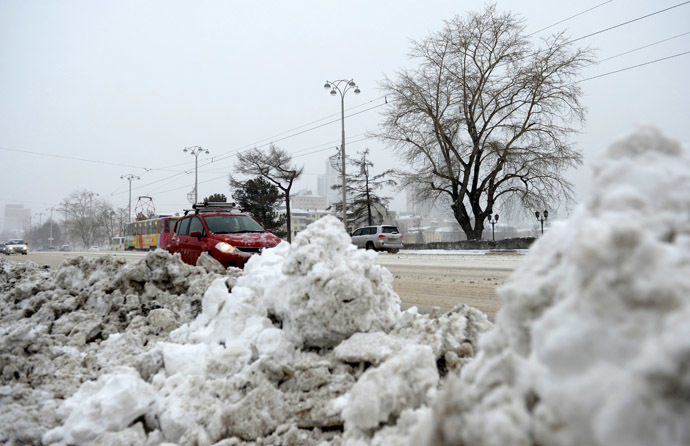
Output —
<point x="542" y="219"/>
<point x="129" y="177"/>
<point x="342" y="86"/>
<point x="195" y="151"/>
<point x="50" y="240"/>
<point x="493" y="223"/>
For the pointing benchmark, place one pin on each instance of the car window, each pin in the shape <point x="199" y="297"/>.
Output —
<point x="370" y="231"/>
<point x="389" y="230"/>
<point x="169" y="224"/>
<point x="196" y="225"/>
<point x="230" y="224"/>
<point x="183" y="226"/>
<point x="357" y="232"/>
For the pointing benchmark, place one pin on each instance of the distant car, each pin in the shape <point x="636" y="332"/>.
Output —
<point x="378" y="238"/>
<point x="227" y="235"/>
<point x="94" y="248"/>
<point x="4" y="249"/>
<point x="17" y="246"/>
<point x="65" y="248"/>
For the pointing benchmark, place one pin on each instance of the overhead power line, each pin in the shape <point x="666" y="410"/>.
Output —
<point x="71" y="158"/>
<point x="629" y="21"/>
<point x="568" y="18"/>
<point x="645" y="46"/>
<point x="632" y="67"/>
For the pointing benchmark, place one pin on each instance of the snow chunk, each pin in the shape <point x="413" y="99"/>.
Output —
<point x="405" y="381"/>
<point x="334" y="289"/>
<point x="110" y="403"/>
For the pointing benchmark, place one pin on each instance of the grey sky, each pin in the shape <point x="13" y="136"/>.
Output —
<point x="129" y="84"/>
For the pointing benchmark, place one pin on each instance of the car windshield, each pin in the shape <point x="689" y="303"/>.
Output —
<point x="232" y="224"/>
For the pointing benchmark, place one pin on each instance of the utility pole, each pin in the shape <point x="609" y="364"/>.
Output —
<point x="195" y="151"/>
<point x="129" y="177"/>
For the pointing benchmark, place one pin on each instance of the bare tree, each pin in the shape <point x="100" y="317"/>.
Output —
<point x="362" y="186"/>
<point x="273" y="165"/>
<point x="85" y="217"/>
<point x="110" y="220"/>
<point x="487" y="116"/>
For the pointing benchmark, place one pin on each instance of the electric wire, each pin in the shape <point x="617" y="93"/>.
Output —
<point x="645" y="46"/>
<point x="632" y="67"/>
<point x="629" y="22"/>
<point x="568" y="18"/>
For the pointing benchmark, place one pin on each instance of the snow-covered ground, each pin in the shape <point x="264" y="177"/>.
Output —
<point x="308" y="345"/>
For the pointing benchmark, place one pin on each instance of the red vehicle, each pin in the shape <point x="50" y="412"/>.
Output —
<point x="229" y="236"/>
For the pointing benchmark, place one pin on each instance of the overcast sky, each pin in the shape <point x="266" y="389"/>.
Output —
<point x="93" y="90"/>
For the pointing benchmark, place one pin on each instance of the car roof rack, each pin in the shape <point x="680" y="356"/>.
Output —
<point x="212" y="206"/>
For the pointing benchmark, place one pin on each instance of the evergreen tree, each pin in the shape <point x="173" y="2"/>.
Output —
<point x="366" y="205"/>
<point x="216" y="198"/>
<point x="261" y="199"/>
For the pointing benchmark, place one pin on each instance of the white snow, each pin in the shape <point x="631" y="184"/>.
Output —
<point x="308" y="344"/>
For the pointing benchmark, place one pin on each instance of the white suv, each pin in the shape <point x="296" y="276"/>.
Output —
<point x="381" y="237"/>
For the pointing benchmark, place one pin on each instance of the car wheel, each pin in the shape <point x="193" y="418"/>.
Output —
<point x="370" y="245"/>
<point x="393" y="251"/>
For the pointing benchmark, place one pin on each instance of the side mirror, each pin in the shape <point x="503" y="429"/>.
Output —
<point x="196" y="234"/>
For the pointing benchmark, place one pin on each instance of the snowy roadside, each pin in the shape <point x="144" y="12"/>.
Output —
<point x="309" y="346"/>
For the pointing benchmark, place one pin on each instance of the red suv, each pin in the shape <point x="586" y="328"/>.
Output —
<point x="228" y="235"/>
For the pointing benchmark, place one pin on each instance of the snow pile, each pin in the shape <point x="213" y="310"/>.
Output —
<point x="307" y="346"/>
<point x="592" y="345"/>
<point x="63" y="328"/>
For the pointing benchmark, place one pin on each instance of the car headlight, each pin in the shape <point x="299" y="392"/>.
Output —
<point x="225" y="247"/>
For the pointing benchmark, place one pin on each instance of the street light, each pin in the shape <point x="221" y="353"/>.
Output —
<point x="129" y="177"/>
<point x="542" y="219"/>
<point x="342" y="86"/>
<point x="50" y="240"/>
<point x="195" y="151"/>
<point x="493" y="222"/>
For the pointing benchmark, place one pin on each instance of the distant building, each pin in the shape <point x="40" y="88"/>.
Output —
<point x="301" y="218"/>
<point x="17" y="219"/>
<point x="327" y="181"/>
<point x="306" y="200"/>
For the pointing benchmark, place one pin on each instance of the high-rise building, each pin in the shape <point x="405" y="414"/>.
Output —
<point x="17" y="218"/>
<point x="331" y="178"/>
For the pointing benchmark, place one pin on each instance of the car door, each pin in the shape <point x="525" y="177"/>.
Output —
<point x="357" y="238"/>
<point x="178" y="241"/>
<point x="195" y="245"/>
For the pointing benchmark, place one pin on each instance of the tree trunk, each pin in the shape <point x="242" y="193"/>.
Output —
<point x="289" y="218"/>
<point x="465" y="222"/>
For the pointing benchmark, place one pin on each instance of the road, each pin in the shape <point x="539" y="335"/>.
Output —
<point x="423" y="279"/>
<point x="445" y="280"/>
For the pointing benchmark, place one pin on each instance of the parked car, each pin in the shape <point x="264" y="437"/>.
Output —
<point x="4" y="249"/>
<point x="16" y="246"/>
<point x="94" y="248"/>
<point x="65" y="248"/>
<point x="225" y="233"/>
<point x="379" y="238"/>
